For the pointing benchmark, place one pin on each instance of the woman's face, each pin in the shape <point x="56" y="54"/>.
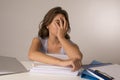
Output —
<point x="52" y="27"/>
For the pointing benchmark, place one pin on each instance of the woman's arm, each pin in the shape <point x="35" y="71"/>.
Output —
<point x="72" y="50"/>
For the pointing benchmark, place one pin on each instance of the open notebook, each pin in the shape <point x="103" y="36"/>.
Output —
<point x="10" y="65"/>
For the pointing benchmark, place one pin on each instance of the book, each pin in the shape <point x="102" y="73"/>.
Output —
<point x="112" y="70"/>
<point x="95" y="63"/>
<point x="50" y="69"/>
<point x="100" y="71"/>
<point x="93" y="71"/>
<point x="89" y="74"/>
<point x="42" y="68"/>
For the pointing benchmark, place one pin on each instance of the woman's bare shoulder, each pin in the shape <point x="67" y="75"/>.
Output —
<point x="36" y="39"/>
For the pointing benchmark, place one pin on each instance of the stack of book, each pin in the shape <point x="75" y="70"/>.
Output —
<point x="50" y="69"/>
<point x="42" y="68"/>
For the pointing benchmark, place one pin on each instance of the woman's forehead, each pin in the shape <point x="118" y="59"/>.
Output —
<point x="59" y="16"/>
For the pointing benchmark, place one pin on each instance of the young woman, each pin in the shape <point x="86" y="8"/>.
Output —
<point x="53" y="38"/>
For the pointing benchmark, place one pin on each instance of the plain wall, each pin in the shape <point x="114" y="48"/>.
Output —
<point x="95" y="26"/>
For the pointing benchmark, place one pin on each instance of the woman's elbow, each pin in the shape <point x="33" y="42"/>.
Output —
<point x="79" y="56"/>
<point x="30" y="56"/>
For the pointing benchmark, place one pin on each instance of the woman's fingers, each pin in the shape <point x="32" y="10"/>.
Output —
<point x="73" y="67"/>
<point x="61" y="25"/>
<point x="76" y="65"/>
<point x="65" y="23"/>
<point x="57" y="24"/>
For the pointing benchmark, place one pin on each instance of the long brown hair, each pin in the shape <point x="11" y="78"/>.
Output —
<point x="43" y="31"/>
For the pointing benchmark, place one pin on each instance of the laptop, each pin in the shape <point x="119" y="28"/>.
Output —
<point x="10" y="65"/>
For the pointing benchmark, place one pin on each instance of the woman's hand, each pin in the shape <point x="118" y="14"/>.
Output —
<point x="62" y="28"/>
<point x="74" y="63"/>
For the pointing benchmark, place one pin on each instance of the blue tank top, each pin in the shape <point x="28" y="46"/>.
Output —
<point x="44" y="46"/>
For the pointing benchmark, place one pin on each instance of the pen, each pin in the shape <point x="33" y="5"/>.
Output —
<point x="104" y="74"/>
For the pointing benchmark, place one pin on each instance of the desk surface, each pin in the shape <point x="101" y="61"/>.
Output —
<point x="36" y="76"/>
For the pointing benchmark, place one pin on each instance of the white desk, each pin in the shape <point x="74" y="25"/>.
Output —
<point x="36" y="76"/>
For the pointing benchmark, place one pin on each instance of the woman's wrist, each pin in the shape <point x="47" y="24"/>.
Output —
<point x="62" y="39"/>
<point x="61" y="63"/>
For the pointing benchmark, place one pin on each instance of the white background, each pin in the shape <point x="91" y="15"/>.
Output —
<point x="95" y="26"/>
